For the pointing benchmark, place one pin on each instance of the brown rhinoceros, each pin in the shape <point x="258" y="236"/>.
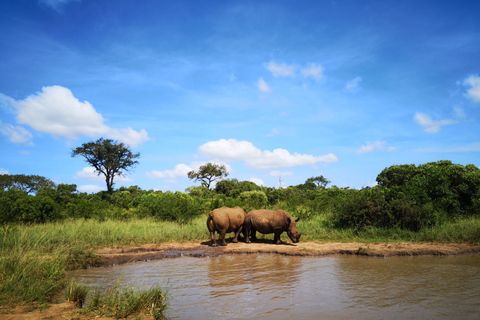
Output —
<point x="225" y="220"/>
<point x="267" y="221"/>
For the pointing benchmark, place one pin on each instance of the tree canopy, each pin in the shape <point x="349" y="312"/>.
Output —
<point x="320" y="181"/>
<point x="208" y="173"/>
<point x="108" y="157"/>
<point x="26" y="183"/>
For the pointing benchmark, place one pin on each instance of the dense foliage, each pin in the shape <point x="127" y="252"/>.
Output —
<point x="407" y="197"/>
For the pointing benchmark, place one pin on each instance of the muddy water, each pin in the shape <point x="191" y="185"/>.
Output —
<point x="285" y="287"/>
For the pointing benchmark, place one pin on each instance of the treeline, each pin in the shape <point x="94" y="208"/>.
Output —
<point x="407" y="196"/>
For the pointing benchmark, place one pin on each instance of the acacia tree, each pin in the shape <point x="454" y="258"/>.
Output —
<point x="320" y="181"/>
<point x="108" y="157"/>
<point x="208" y="173"/>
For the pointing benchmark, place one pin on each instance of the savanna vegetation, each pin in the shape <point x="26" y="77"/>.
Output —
<point x="48" y="229"/>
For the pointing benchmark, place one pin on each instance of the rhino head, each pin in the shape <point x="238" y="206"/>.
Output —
<point x="292" y="231"/>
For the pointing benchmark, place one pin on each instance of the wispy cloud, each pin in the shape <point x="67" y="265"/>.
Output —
<point x="57" y="5"/>
<point x="353" y="85"/>
<point x="474" y="92"/>
<point x="16" y="134"/>
<point x="279" y="70"/>
<point x="3" y="171"/>
<point x="56" y="111"/>
<point x="315" y="71"/>
<point x="374" y="146"/>
<point x="430" y="125"/>
<point x="273" y="133"/>
<point x="233" y="150"/>
<point x="263" y="86"/>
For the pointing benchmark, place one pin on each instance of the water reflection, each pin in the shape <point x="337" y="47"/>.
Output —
<point x="283" y="287"/>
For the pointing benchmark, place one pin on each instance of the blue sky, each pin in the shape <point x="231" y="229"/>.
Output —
<point x="273" y="89"/>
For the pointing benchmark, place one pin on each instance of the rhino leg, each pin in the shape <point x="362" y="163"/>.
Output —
<point x="276" y="238"/>
<point x="254" y="234"/>
<point x="237" y="233"/>
<point x="212" y="236"/>
<point x="222" y="239"/>
<point x="247" y="233"/>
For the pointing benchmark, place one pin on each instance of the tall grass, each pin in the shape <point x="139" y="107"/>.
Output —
<point x="83" y="234"/>
<point x="121" y="302"/>
<point x="30" y="277"/>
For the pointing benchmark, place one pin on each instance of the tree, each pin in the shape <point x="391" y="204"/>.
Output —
<point x="26" y="183"/>
<point x="320" y="181"/>
<point x="208" y="173"/>
<point x="108" y="157"/>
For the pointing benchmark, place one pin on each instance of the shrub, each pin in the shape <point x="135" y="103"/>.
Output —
<point x="178" y="206"/>
<point x="253" y="200"/>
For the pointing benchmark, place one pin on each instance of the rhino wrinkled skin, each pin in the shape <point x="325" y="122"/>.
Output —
<point x="268" y="221"/>
<point x="225" y="220"/>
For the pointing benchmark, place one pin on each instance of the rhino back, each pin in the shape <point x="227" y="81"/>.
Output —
<point x="266" y="221"/>
<point x="227" y="219"/>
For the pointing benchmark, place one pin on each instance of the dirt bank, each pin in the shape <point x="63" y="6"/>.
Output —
<point x="120" y="255"/>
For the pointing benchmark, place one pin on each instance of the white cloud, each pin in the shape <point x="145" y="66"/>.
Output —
<point x="273" y="133"/>
<point x="16" y="134"/>
<point x="314" y="71"/>
<point x="90" y="188"/>
<point x="374" y="146"/>
<point x="430" y="125"/>
<point x="277" y="173"/>
<point x="56" y="111"/>
<point x="232" y="150"/>
<point x="474" y="92"/>
<point x="258" y="182"/>
<point x="353" y="85"/>
<point x="88" y="173"/>
<point x="3" y="171"/>
<point x="281" y="69"/>
<point x="180" y="171"/>
<point x="263" y="86"/>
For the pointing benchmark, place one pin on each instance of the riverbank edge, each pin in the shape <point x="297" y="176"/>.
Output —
<point x="128" y="254"/>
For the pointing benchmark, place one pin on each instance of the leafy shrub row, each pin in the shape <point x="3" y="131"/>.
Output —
<point x="407" y="196"/>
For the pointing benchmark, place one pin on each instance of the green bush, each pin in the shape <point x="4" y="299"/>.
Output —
<point x="253" y="200"/>
<point x="383" y="208"/>
<point x="178" y="206"/>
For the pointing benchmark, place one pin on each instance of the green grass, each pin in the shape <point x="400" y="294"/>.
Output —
<point x="120" y="302"/>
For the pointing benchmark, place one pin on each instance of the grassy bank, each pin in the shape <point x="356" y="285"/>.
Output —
<point x="34" y="258"/>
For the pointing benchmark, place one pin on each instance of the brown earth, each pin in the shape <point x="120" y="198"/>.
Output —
<point x="126" y="254"/>
<point x="120" y="255"/>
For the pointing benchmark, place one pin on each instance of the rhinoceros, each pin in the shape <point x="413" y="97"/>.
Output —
<point x="225" y="220"/>
<point x="268" y="221"/>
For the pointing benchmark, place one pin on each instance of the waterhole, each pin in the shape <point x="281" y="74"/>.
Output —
<point x="261" y="286"/>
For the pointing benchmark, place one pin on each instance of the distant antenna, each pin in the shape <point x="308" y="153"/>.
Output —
<point x="280" y="181"/>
